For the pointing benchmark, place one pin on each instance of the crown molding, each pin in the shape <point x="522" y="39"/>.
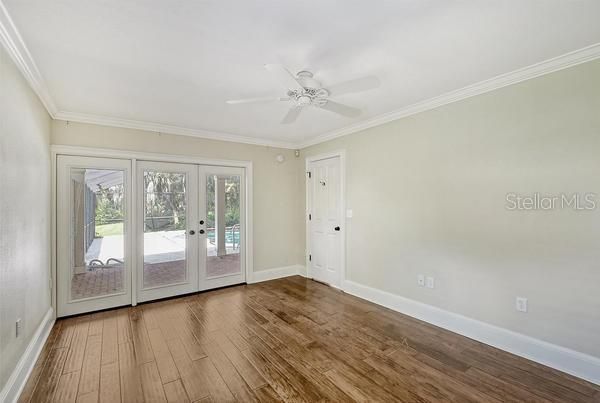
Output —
<point x="168" y="129"/>
<point x="567" y="60"/>
<point x="16" y="48"/>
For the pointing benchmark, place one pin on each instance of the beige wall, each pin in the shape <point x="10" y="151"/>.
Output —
<point x="277" y="240"/>
<point x="428" y="196"/>
<point x="427" y="193"/>
<point x="24" y="214"/>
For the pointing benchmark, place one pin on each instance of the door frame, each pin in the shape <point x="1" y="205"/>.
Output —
<point x="314" y="158"/>
<point x="134" y="156"/>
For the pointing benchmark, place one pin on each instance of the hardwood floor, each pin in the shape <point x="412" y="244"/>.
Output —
<point x="285" y="340"/>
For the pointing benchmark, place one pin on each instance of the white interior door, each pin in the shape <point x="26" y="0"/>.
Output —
<point x="222" y="226"/>
<point x="167" y="229"/>
<point x="94" y="234"/>
<point x="325" y="220"/>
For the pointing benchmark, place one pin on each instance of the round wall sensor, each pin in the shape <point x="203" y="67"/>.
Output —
<point x="280" y="158"/>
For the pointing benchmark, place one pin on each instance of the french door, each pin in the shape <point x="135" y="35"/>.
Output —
<point x="93" y="234"/>
<point x="166" y="229"/>
<point x="190" y="228"/>
<point x="167" y="211"/>
<point x="222" y="226"/>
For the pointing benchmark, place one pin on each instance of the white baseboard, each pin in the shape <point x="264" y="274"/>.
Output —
<point x="279" y="272"/>
<point x="563" y="359"/>
<point x="15" y="384"/>
<point x="302" y="271"/>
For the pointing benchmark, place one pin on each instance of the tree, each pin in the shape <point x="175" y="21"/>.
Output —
<point x="109" y="204"/>
<point x="232" y="200"/>
<point x="165" y="202"/>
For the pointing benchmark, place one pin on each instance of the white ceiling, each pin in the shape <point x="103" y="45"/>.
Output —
<point x="176" y="62"/>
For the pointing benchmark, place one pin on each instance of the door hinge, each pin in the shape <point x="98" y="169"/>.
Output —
<point x="309" y="217"/>
<point x="309" y="174"/>
<point x="310" y="258"/>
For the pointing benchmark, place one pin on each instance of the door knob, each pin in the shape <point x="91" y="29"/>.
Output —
<point x="192" y="232"/>
<point x="202" y="231"/>
<point x="201" y="222"/>
<point x="337" y="228"/>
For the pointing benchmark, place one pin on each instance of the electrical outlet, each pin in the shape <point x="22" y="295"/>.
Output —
<point x="430" y="282"/>
<point x="18" y="327"/>
<point x="421" y="280"/>
<point x="521" y="304"/>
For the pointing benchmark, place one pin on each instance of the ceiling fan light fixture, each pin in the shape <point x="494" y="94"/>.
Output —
<point x="304" y="100"/>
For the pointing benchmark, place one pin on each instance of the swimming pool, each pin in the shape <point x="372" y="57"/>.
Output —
<point x="232" y="235"/>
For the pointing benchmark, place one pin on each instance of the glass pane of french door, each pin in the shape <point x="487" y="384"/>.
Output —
<point x="97" y="232"/>
<point x="224" y="216"/>
<point x="165" y="206"/>
<point x="93" y="199"/>
<point x="167" y="202"/>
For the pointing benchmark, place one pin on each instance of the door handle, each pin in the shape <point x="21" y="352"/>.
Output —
<point x="337" y="228"/>
<point x="192" y="232"/>
<point x="201" y="222"/>
<point x="201" y="231"/>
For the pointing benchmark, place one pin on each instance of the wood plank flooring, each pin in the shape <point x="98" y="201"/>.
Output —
<point x="291" y="339"/>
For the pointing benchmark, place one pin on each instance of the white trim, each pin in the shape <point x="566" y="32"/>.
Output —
<point x="249" y="223"/>
<point x="53" y="233"/>
<point x="302" y="271"/>
<point x="552" y="65"/>
<point x="563" y="359"/>
<point x="163" y="128"/>
<point x="341" y="154"/>
<point x="56" y="150"/>
<point x="17" y="380"/>
<point x="279" y="272"/>
<point x="16" y="48"/>
<point x="135" y="244"/>
<point x="144" y="156"/>
<point x="526" y="73"/>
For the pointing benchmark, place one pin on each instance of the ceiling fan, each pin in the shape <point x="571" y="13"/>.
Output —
<point x="304" y="91"/>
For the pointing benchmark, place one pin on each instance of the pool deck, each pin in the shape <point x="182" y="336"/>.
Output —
<point x="159" y="247"/>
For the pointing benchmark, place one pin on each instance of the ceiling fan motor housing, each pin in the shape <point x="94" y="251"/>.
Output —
<point x="307" y="80"/>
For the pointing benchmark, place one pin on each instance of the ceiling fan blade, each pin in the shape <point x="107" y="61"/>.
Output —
<point x="255" y="100"/>
<point x="341" y="109"/>
<point x="285" y="76"/>
<point x="358" y="85"/>
<point x="291" y="116"/>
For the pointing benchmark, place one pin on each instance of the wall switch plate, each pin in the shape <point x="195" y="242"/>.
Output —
<point x="421" y="280"/>
<point x="348" y="213"/>
<point x="521" y="304"/>
<point x="430" y="282"/>
<point x="18" y="327"/>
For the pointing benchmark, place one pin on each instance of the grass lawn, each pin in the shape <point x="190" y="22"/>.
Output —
<point x="109" y="229"/>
